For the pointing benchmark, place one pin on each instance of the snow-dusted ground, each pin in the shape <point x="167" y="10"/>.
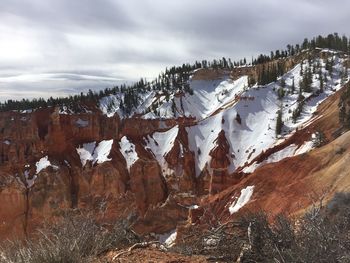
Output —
<point x="209" y="96"/>
<point x="168" y="239"/>
<point x="289" y="151"/>
<point x="242" y="200"/>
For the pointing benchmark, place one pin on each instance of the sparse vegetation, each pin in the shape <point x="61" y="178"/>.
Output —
<point x="76" y="239"/>
<point x="320" y="139"/>
<point x="297" y="112"/>
<point x="344" y="109"/>
<point x="279" y="122"/>
<point x="322" y="235"/>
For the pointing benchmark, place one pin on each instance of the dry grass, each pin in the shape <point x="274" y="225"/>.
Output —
<point x="76" y="239"/>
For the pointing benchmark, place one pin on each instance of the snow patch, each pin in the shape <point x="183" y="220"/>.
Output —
<point x="42" y="164"/>
<point x="29" y="181"/>
<point x="160" y="143"/>
<point x="128" y="151"/>
<point x="96" y="154"/>
<point x="85" y="152"/>
<point x="102" y="151"/>
<point x="170" y="241"/>
<point x="82" y="123"/>
<point x="243" y="199"/>
<point x="306" y="147"/>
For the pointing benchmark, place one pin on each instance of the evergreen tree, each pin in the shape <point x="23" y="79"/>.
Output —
<point x="293" y="86"/>
<point x="279" y="122"/>
<point x="321" y="82"/>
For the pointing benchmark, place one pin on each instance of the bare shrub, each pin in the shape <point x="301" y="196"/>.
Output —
<point x="218" y="240"/>
<point x="321" y="235"/>
<point x="75" y="239"/>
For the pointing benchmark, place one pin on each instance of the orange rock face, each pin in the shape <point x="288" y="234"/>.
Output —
<point x="108" y="189"/>
<point x="147" y="184"/>
<point x="114" y="189"/>
<point x="219" y="164"/>
<point x="27" y="137"/>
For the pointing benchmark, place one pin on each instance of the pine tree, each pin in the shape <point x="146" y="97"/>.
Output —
<point x="293" y="86"/>
<point x="321" y="82"/>
<point x="301" y="68"/>
<point x="279" y="122"/>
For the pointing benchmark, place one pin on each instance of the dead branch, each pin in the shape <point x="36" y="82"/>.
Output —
<point x="134" y="246"/>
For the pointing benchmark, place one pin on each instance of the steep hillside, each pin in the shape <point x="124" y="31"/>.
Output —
<point x="292" y="183"/>
<point x="179" y="151"/>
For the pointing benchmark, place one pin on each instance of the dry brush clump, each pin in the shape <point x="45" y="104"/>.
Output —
<point x="75" y="239"/>
<point x="321" y="235"/>
<point x="218" y="240"/>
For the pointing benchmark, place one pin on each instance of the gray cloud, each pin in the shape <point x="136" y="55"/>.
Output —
<point x="85" y="44"/>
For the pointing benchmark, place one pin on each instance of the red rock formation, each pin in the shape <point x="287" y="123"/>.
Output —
<point x="181" y="160"/>
<point x="219" y="164"/>
<point x="111" y="191"/>
<point x="147" y="183"/>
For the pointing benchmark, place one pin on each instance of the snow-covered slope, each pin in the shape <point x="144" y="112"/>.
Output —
<point x="248" y="116"/>
<point x="160" y="143"/>
<point x="209" y="96"/>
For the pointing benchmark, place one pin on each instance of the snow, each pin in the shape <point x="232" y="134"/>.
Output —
<point x="95" y="154"/>
<point x="29" y="181"/>
<point x="128" y="151"/>
<point x="7" y="142"/>
<point x="102" y="151"/>
<point x="170" y="241"/>
<point x="42" y="164"/>
<point x="216" y="103"/>
<point x="306" y="147"/>
<point x="209" y="96"/>
<point x="243" y="199"/>
<point x="256" y="133"/>
<point x="289" y="151"/>
<point x="110" y="105"/>
<point x="284" y="153"/>
<point x="160" y="143"/>
<point x="85" y="152"/>
<point x="246" y="140"/>
<point x="82" y="123"/>
<point x="67" y="163"/>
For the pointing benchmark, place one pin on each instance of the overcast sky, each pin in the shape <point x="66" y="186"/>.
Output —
<point x="57" y="47"/>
